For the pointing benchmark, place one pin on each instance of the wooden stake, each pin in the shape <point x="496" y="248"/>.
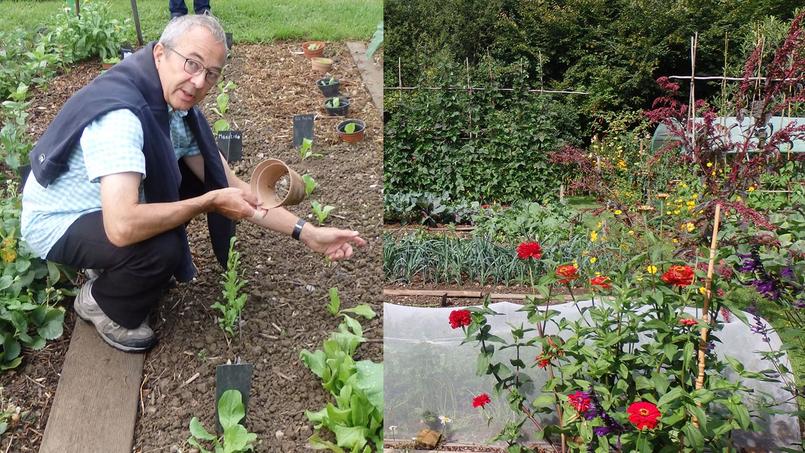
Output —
<point x="705" y="313"/>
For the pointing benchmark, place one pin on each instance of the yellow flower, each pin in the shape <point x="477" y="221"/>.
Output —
<point x="652" y="269"/>
<point x="622" y="164"/>
<point x="694" y="196"/>
<point x="618" y="212"/>
<point x="751" y="189"/>
<point x="667" y="212"/>
<point x="631" y="232"/>
<point x="709" y="164"/>
<point x="738" y="198"/>
<point x="675" y="240"/>
<point x="691" y="203"/>
<point x="683" y="185"/>
<point x="599" y="224"/>
<point x="9" y="255"/>
<point x="593" y="260"/>
<point x="702" y="290"/>
<point x="678" y="200"/>
<point x="690" y="226"/>
<point x="597" y="274"/>
<point x="593" y="236"/>
<point x="713" y="173"/>
<point x="676" y="211"/>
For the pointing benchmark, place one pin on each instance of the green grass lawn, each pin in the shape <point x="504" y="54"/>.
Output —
<point x="248" y="20"/>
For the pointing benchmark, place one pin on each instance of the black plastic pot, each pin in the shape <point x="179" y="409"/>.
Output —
<point x="341" y="110"/>
<point x="329" y="90"/>
<point x="228" y="37"/>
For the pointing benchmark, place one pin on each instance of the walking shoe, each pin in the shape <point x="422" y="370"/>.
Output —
<point x="204" y="11"/>
<point x="175" y="15"/>
<point x="117" y="336"/>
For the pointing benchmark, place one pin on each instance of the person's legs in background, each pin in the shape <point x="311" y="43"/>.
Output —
<point x="177" y="8"/>
<point x="201" y="6"/>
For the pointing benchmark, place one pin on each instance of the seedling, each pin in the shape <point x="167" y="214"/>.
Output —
<point x="335" y="302"/>
<point x="306" y="150"/>
<point x="320" y="212"/>
<point x="310" y="184"/>
<point x="233" y="300"/>
<point x="350" y="128"/>
<point x="313" y="46"/>
<point x="236" y="438"/>
<point x="334" y="102"/>
<point x="330" y="81"/>
<point x="222" y="106"/>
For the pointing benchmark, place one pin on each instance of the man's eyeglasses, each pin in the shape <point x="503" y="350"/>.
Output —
<point x="194" y="67"/>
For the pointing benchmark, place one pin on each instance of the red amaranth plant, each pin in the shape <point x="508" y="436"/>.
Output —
<point x="706" y="143"/>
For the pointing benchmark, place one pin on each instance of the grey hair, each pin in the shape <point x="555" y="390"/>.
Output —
<point x="182" y="24"/>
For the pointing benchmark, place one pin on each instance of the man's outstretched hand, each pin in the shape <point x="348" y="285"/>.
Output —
<point x="333" y="243"/>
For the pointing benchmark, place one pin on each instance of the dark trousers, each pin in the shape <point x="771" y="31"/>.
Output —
<point x="178" y="6"/>
<point x="133" y="277"/>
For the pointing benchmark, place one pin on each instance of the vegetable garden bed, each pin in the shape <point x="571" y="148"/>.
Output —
<point x="287" y="284"/>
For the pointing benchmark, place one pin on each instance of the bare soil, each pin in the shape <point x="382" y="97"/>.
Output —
<point x="287" y="283"/>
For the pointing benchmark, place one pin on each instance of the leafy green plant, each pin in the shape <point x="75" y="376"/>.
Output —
<point x="28" y="312"/>
<point x="330" y="81"/>
<point x="222" y="106"/>
<point x="306" y="150"/>
<point x="349" y="128"/>
<point x="235" y="439"/>
<point x="310" y="184"/>
<point x="427" y="208"/>
<point x="321" y="212"/>
<point x="93" y="33"/>
<point x="356" y="418"/>
<point x="233" y="301"/>
<point x="334" y="102"/>
<point x="14" y="142"/>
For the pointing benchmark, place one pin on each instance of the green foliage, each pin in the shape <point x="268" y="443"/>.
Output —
<point x="356" y="418"/>
<point x="28" y="315"/>
<point x="487" y="146"/>
<point x="92" y="34"/>
<point x="349" y="128"/>
<point x="14" y="143"/>
<point x="454" y="260"/>
<point x="333" y="102"/>
<point x="222" y="106"/>
<point x="236" y="438"/>
<point x="426" y="208"/>
<point x="523" y="220"/>
<point x="612" y="49"/>
<point x="306" y="150"/>
<point x="321" y="212"/>
<point x="233" y="301"/>
<point x="310" y="184"/>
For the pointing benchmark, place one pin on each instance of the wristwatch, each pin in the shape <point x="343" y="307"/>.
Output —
<point x="297" y="229"/>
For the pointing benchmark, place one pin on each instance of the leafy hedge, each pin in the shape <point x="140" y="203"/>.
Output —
<point x="485" y="145"/>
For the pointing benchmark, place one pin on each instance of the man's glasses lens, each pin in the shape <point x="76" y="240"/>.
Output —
<point x="193" y="67"/>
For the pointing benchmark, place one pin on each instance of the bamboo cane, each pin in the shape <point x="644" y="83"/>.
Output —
<point x="705" y="314"/>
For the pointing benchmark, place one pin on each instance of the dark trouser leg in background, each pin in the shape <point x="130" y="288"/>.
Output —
<point x="177" y="7"/>
<point x="133" y="276"/>
<point x="200" y="6"/>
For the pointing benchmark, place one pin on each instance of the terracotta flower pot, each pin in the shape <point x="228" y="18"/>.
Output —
<point x="321" y="65"/>
<point x="316" y="51"/>
<point x="355" y="136"/>
<point x="276" y="184"/>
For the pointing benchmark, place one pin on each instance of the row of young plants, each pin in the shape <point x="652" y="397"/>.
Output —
<point x="30" y="288"/>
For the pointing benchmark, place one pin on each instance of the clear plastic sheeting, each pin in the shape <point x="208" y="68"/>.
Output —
<point x="430" y="377"/>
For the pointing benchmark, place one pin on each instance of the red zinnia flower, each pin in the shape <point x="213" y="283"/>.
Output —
<point x="481" y="400"/>
<point x="643" y="415"/>
<point x="580" y="401"/>
<point x="460" y="318"/>
<point x="601" y="281"/>
<point x="568" y="271"/>
<point x="678" y="276"/>
<point x="528" y="250"/>
<point x="543" y="360"/>
<point x="688" y="322"/>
